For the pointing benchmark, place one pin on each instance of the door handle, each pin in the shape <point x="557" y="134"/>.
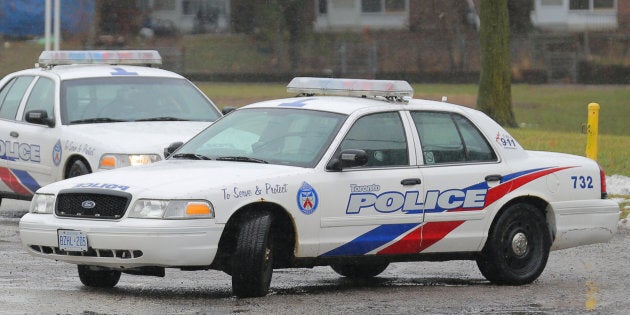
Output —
<point x="410" y="181"/>
<point x="14" y="134"/>
<point x="494" y="178"/>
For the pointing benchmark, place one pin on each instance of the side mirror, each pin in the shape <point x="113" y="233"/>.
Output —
<point x="172" y="148"/>
<point x="40" y="117"/>
<point x="347" y="158"/>
<point x="227" y="109"/>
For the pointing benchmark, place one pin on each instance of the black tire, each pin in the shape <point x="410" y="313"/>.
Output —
<point x="77" y="168"/>
<point x="359" y="270"/>
<point x="252" y="264"/>
<point x="98" y="277"/>
<point x="517" y="248"/>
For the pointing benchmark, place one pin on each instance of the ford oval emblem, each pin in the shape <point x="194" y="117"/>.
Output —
<point x="88" y="204"/>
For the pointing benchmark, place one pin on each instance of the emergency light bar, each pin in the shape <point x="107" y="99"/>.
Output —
<point x="350" y="87"/>
<point x="108" y="57"/>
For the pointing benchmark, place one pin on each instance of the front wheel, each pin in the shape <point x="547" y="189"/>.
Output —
<point x="517" y="248"/>
<point x="359" y="270"/>
<point x="77" y="168"/>
<point x="252" y="264"/>
<point x="97" y="277"/>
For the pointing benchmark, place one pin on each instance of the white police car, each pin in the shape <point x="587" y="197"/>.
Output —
<point x="84" y="111"/>
<point x="355" y="182"/>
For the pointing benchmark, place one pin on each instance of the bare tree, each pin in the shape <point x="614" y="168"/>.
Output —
<point x="495" y="96"/>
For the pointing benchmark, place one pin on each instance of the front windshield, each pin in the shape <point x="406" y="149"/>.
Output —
<point x="110" y="99"/>
<point x="266" y="135"/>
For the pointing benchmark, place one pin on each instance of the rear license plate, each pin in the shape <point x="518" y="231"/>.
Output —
<point x="72" y="241"/>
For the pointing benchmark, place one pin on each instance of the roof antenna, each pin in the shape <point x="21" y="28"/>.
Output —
<point x="443" y="99"/>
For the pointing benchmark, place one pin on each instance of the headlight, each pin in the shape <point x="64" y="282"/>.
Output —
<point x="42" y="203"/>
<point x="111" y="161"/>
<point x="172" y="209"/>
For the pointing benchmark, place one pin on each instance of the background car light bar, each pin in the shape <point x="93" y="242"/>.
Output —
<point x="350" y="87"/>
<point x="110" y="57"/>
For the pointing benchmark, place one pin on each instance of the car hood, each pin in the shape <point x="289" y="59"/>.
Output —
<point x="136" y="137"/>
<point x="181" y="178"/>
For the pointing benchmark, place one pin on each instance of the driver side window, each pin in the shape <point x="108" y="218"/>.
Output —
<point x="382" y="137"/>
<point x="42" y="97"/>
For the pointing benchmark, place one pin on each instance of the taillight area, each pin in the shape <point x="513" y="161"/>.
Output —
<point x="602" y="178"/>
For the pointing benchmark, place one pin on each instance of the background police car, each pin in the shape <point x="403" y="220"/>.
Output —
<point x="84" y="111"/>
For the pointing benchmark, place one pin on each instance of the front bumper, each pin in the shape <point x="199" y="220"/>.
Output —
<point x="128" y="243"/>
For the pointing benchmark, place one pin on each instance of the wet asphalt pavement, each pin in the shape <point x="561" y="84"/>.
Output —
<point x="589" y="279"/>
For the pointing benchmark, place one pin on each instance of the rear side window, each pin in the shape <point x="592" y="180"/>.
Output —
<point x="11" y="95"/>
<point x="450" y="138"/>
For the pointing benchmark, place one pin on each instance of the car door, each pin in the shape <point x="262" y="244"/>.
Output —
<point x="32" y="143"/>
<point x="461" y="173"/>
<point x="11" y="97"/>
<point x="372" y="208"/>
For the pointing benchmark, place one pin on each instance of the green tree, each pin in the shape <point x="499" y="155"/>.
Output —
<point x="274" y="22"/>
<point x="495" y="96"/>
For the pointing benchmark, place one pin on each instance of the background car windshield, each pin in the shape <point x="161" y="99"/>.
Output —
<point x="279" y="136"/>
<point x="130" y="99"/>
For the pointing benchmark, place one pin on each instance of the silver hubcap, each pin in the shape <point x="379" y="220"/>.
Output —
<point x="519" y="244"/>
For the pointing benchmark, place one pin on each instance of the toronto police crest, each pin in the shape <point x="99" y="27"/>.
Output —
<point x="307" y="198"/>
<point x="56" y="154"/>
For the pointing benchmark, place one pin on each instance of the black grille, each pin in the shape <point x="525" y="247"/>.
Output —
<point x="92" y="203"/>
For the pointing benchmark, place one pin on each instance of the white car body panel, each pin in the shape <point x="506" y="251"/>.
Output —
<point x="445" y="208"/>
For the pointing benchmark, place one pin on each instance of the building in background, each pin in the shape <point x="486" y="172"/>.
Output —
<point x="187" y="16"/>
<point x="575" y="15"/>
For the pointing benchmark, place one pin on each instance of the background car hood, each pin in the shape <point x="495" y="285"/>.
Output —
<point x="182" y="178"/>
<point x="135" y="137"/>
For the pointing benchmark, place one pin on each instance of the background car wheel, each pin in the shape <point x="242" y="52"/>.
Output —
<point x="517" y="248"/>
<point x="356" y="271"/>
<point x="77" y="168"/>
<point x="252" y="264"/>
<point x="96" y="277"/>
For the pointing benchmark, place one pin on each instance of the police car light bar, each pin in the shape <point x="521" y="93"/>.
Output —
<point x="109" y="57"/>
<point x="350" y="87"/>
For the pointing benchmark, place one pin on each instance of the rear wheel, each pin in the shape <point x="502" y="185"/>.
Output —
<point x="77" y="168"/>
<point x="359" y="270"/>
<point x="98" y="277"/>
<point x="517" y="248"/>
<point x="252" y="264"/>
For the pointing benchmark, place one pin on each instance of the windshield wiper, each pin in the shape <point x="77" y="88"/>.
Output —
<point x="96" y="120"/>
<point x="191" y="156"/>
<point x="241" y="159"/>
<point x="165" y="118"/>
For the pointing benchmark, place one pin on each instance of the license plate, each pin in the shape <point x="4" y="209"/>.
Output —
<point x="72" y="241"/>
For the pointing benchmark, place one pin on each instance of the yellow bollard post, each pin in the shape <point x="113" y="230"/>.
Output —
<point x="592" y="129"/>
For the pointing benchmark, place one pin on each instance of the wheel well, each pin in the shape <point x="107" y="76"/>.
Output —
<point x="283" y="230"/>
<point x="538" y="203"/>
<point x="71" y="160"/>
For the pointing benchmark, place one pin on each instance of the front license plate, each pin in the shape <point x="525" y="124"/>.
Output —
<point x="72" y="241"/>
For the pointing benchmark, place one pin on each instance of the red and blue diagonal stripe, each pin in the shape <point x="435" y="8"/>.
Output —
<point x="20" y="182"/>
<point x="415" y="238"/>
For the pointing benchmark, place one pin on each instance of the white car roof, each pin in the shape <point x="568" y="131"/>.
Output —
<point x="73" y="64"/>
<point x="69" y="72"/>
<point x="346" y="96"/>
<point x="348" y="104"/>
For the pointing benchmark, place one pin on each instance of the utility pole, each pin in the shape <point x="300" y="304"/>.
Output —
<point x="56" y="27"/>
